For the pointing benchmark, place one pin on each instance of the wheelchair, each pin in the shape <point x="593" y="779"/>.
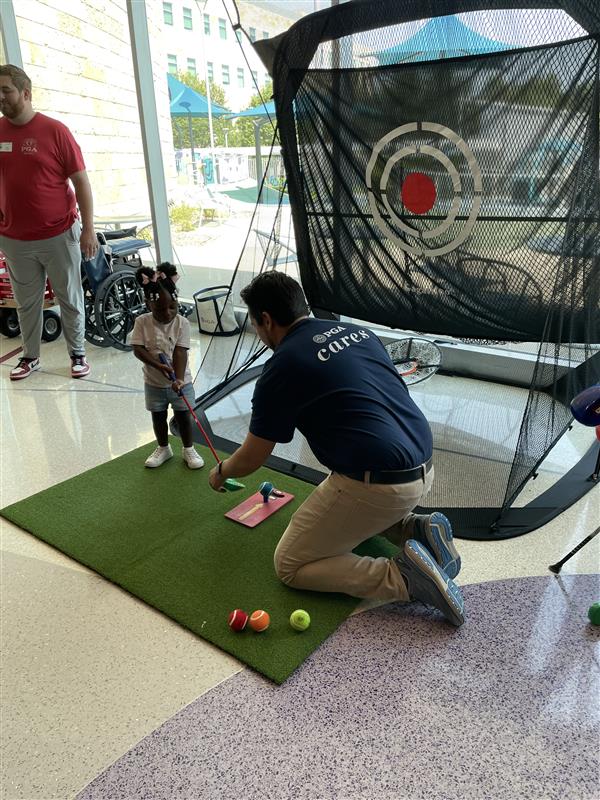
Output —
<point x="112" y="296"/>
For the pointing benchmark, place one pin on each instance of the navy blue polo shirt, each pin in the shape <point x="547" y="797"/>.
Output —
<point x="336" y="384"/>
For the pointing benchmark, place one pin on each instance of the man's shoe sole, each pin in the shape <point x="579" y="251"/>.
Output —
<point x="431" y="585"/>
<point x="440" y="542"/>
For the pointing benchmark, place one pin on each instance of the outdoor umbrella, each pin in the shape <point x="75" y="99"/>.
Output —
<point x="441" y="37"/>
<point x="186" y="102"/>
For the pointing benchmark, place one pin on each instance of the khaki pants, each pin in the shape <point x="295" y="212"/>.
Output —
<point x="315" y="551"/>
<point x="28" y="264"/>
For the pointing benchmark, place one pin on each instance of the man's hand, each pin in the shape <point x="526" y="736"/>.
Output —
<point x="177" y="386"/>
<point x="88" y="242"/>
<point x="216" y="480"/>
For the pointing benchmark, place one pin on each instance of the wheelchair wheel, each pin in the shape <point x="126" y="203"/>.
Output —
<point x="92" y="334"/>
<point x="119" y="300"/>
<point x="51" y="327"/>
<point x="9" y="323"/>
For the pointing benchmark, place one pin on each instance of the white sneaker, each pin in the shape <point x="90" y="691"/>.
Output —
<point x="159" y="456"/>
<point x="191" y="458"/>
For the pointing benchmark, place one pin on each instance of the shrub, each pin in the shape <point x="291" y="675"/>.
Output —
<point x="184" y="217"/>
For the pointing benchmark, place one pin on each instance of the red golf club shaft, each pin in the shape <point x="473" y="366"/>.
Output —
<point x="173" y="377"/>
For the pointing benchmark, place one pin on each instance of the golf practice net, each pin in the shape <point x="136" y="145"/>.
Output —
<point x="443" y="178"/>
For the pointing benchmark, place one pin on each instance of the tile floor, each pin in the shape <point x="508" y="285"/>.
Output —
<point x="87" y="670"/>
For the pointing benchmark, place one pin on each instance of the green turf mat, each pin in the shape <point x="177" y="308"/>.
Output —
<point x="161" y="534"/>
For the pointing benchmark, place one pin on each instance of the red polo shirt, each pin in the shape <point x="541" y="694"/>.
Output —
<point x="36" y="159"/>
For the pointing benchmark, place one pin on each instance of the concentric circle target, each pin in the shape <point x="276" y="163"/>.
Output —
<point x="419" y="193"/>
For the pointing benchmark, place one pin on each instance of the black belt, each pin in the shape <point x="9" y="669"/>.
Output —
<point x="390" y="475"/>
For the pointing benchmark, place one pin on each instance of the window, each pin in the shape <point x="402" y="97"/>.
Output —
<point x="211" y="70"/>
<point x="168" y="13"/>
<point x="225" y="74"/>
<point x="187" y="19"/>
<point x="222" y="28"/>
<point x="171" y="63"/>
<point x="191" y="66"/>
<point x="252" y="34"/>
<point x="207" y="24"/>
<point x="239" y="36"/>
<point x="254" y="78"/>
<point x="265" y="35"/>
<point x="267" y="77"/>
<point x="240" y="77"/>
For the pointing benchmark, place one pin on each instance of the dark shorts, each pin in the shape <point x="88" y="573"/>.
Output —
<point x="159" y="399"/>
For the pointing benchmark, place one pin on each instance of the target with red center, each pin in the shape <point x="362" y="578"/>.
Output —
<point x="418" y="192"/>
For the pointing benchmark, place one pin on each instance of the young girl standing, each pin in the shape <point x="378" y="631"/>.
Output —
<point x="165" y="331"/>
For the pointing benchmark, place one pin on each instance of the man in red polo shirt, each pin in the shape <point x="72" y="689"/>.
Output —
<point x="40" y="231"/>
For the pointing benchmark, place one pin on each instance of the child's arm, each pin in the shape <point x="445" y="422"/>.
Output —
<point x="180" y="357"/>
<point x="140" y="352"/>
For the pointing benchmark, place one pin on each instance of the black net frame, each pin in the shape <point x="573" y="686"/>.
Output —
<point x="349" y="266"/>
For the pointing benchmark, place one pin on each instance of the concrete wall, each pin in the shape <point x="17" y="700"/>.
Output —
<point x="78" y="56"/>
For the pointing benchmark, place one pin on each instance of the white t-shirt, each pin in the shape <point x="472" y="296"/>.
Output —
<point x="158" y="338"/>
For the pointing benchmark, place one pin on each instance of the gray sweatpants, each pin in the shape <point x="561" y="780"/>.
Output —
<point x="28" y="264"/>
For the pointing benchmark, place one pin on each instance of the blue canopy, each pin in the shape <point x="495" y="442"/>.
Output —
<point x="263" y="110"/>
<point x="441" y="37"/>
<point x="185" y="100"/>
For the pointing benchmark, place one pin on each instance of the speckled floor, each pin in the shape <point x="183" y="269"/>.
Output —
<point x="88" y="671"/>
<point x="395" y="705"/>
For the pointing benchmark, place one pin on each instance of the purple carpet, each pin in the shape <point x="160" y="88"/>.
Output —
<point x="397" y="705"/>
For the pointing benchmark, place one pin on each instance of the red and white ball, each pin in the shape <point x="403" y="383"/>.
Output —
<point x="237" y="619"/>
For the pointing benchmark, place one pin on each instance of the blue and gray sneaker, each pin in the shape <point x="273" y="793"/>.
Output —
<point x="428" y="583"/>
<point x="435" y="532"/>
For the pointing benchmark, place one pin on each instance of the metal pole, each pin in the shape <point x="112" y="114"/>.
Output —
<point x="191" y="135"/>
<point x="207" y="82"/>
<point x="10" y="34"/>
<point x="155" y="173"/>
<point x="258" y="155"/>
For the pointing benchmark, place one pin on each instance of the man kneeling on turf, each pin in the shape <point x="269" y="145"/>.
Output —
<point x="336" y="384"/>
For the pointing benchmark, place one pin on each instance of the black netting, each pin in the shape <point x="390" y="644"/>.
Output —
<point x="443" y="175"/>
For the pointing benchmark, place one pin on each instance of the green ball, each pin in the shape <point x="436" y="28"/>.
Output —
<point x="593" y="613"/>
<point x="300" y="619"/>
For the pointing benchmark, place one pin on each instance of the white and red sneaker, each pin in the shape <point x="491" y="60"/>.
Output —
<point x="24" y="368"/>
<point x="79" y="367"/>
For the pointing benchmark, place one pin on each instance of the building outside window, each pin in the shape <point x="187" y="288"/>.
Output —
<point x="240" y="77"/>
<point x="211" y="70"/>
<point x="252" y="34"/>
<point x="168" y="13"/>
<point x="191" y="66"/>
<point x="172" y="63"/>
<point x="187" y="19"/>
<point x="222" y="28"/>
<point x="254" y="77"/>
<point x="225" y="74"/>
<point x="207" y="24"/>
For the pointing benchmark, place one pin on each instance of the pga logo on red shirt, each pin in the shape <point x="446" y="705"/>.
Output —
<point x="29" y="146"/>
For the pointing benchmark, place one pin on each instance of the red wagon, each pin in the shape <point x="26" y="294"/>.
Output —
<point x="9" y="321"/>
